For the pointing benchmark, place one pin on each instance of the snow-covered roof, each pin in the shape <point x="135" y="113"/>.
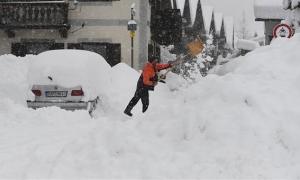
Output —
<point x="228" y="23"/>
<point x="207" y="16"/>
<point x="269" y="9"/>
<point x="247" y="44"/>
<point x="193" y="8"/>
<point x="180" y="5"/>
<point x="218" y="22"/>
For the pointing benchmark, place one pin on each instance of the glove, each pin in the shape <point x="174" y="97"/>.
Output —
<point x="162" y="76"/>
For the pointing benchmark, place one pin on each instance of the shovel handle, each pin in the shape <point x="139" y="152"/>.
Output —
<point x="170" y="69"/>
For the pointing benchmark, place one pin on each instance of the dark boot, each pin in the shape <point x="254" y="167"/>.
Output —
<point x="128" y="113"/>
<point x="131" y="104"/>
<point x="145" y="108"/>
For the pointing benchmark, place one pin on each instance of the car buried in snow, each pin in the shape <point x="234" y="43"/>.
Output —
<point x="69" y="79"/>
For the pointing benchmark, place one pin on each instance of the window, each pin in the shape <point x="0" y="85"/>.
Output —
<point x="109" y="51"/>
<point x="21" y="49"/>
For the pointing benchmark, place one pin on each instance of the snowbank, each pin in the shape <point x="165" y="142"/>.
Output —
<point x="248" y="45"/>
<point x="241" y="123"/>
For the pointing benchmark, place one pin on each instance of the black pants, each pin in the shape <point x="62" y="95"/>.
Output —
<point x="140" y="93"/>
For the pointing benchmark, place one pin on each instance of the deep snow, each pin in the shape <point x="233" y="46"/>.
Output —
<point x="242" y="121"/>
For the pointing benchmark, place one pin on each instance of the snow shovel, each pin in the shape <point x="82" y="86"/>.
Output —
<point x="195" y="48"/>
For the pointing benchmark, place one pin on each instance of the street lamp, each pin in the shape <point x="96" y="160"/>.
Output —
<point x="132" y="28"/>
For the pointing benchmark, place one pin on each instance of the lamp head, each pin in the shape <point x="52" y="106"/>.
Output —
<point x="132" y="5"/>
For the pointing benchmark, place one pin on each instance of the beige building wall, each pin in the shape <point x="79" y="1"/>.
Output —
<point x="104" y="22"/>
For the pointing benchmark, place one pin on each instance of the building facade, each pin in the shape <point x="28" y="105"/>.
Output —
<point x="101" y="26"/>
<point x="31" y="27"/>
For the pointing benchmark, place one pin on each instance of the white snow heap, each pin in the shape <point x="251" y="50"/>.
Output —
<point x="242" y="125"/>
<point x="259" y="39"/>
<point x="248" y="45"/>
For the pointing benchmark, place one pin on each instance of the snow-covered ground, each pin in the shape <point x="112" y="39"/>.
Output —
<point x="241" y="122"/>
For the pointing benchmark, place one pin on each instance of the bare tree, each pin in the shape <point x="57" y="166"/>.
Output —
<point x="243" y="32"/>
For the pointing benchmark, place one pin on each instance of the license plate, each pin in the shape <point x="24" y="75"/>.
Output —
<point x="56" y="93"/>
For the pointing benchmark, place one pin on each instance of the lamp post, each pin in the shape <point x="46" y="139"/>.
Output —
<point x="132" y="28"/>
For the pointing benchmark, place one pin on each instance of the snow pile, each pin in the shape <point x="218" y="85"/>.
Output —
<point x="259" y="39"/>
<point x="279" y="59"/>
<point x="13" y="80"/>
<point x="240" y="123"/>
<point x="70" y="68"/>
<point x="248" y="45"/>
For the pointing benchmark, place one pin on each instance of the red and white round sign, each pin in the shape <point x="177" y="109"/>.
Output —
<point x="282" y="30"/>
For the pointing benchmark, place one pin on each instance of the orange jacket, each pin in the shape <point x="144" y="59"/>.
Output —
<point x="150" y="72"/>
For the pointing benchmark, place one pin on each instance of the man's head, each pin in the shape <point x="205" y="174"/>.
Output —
<point x="153" y="59"/>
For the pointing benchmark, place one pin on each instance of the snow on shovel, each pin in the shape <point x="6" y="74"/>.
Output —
<point x="195" y="48"/>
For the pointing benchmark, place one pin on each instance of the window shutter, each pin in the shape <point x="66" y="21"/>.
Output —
<point x="113" y="54"/>
<point x="18" y="49"/>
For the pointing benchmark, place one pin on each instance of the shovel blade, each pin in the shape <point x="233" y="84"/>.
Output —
<point x="196" y="46"/>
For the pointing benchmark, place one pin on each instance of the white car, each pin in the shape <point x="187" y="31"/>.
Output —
<point x="69" y="79"/>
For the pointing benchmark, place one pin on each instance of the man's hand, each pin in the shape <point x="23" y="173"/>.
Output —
<point x="171" y="64"/>
<point x="162" y="76"/>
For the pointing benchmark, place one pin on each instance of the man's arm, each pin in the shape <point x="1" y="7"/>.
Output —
<point x="162" y="66"/>
<point x="165" y="66"/>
